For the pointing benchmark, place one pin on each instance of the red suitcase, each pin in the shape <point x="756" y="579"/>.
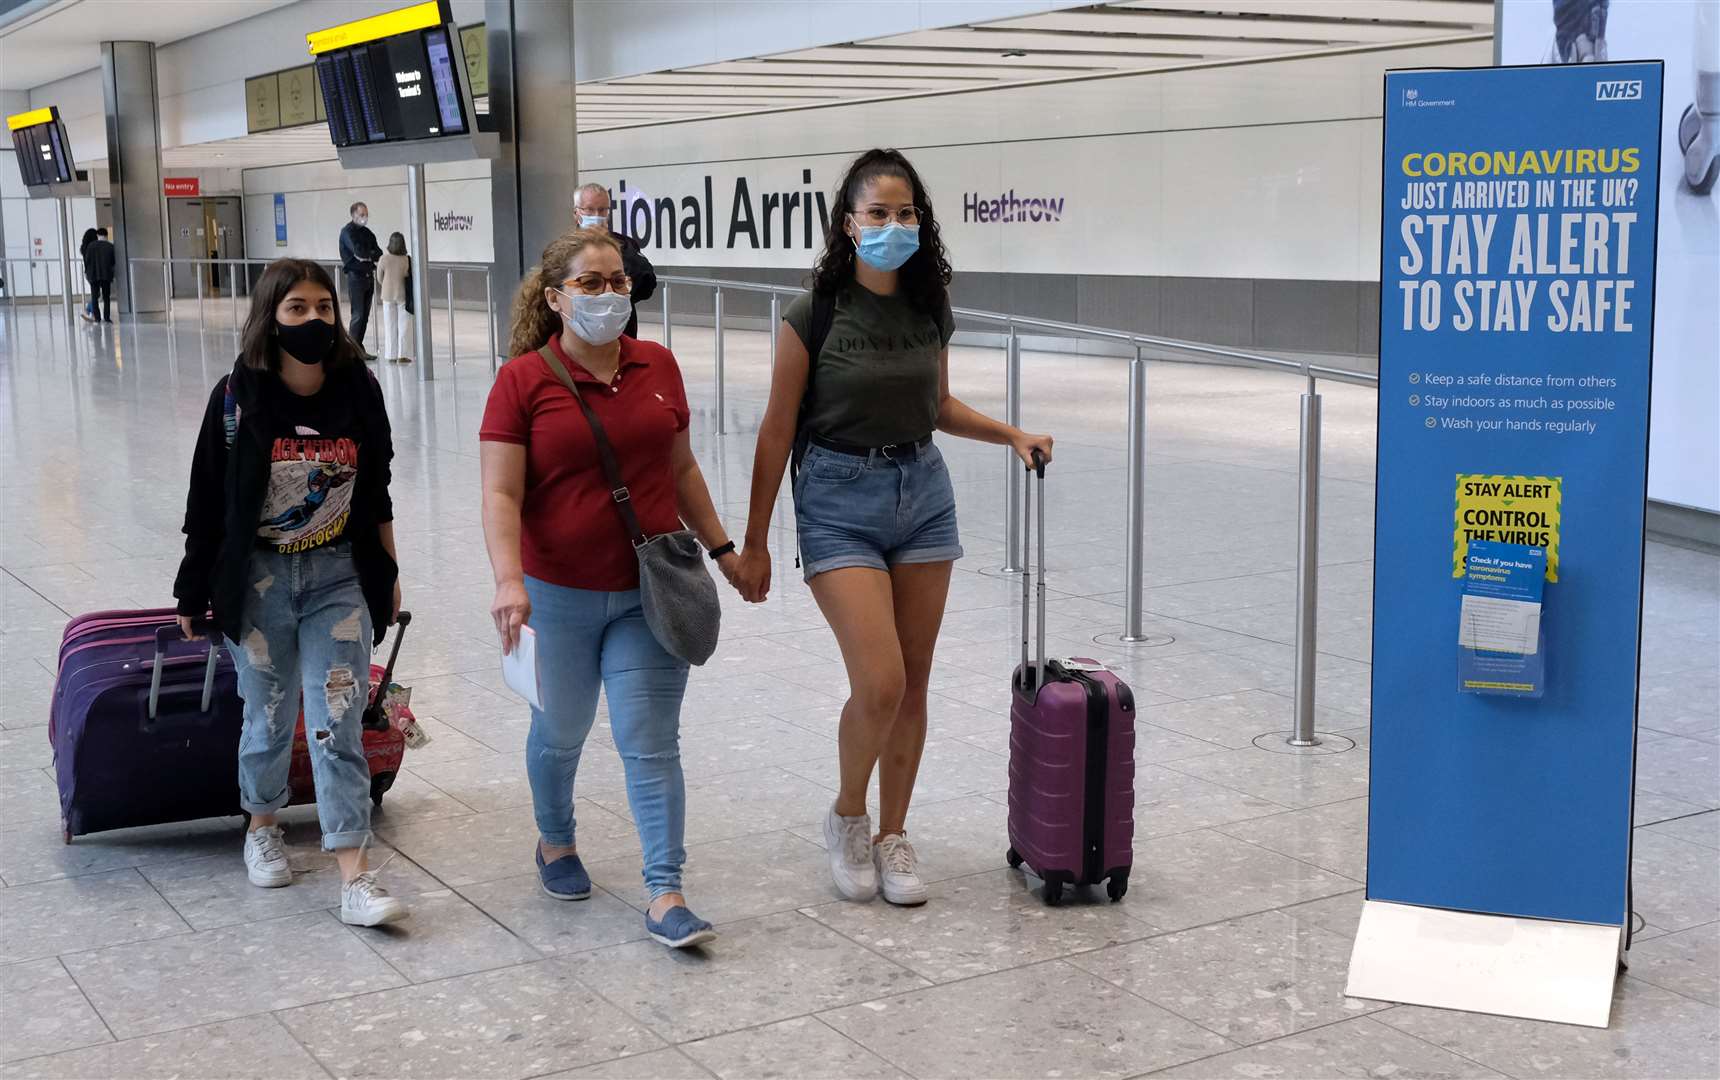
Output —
<point x="384" y="739"/>
<point x="1071" y="756"/>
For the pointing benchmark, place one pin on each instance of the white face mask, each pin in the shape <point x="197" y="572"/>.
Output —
<point x="591" y="221"/>
<point x="597" y="320"/>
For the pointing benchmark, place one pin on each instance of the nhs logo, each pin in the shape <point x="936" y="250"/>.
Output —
<point x="1619" y="90"/>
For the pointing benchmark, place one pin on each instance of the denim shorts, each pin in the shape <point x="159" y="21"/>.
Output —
<point x="874" y="511"/>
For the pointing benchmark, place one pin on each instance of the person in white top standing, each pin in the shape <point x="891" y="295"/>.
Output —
<point x="393" y="285"/>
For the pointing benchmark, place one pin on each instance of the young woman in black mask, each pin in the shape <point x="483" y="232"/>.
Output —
<point x="289" y="541"/>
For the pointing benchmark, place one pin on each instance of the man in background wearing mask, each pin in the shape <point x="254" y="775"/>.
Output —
<point x="358" y="254"/>
<point x="591" y="210"/>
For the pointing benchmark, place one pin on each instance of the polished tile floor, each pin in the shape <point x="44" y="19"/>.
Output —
<point x="146" y="953"/>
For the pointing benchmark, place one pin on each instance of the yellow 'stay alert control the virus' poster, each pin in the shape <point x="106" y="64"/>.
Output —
<point x="1507" y="510"/>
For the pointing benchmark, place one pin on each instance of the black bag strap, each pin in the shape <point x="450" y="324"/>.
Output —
<point x="605" y="452"/>
<point x="818" y="330"/>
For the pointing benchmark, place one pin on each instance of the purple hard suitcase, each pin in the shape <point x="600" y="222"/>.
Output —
<point x="144" y="724"/>
<point x="1071" y="758"/>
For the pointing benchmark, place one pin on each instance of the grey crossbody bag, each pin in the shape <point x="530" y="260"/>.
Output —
<point x="675" y="588"/>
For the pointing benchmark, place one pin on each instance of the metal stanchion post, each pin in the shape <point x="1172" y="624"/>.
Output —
<point x="490" y="308"/>
<point x="167" y="287"/>
<point x="233" y="288"/>
<point x="452" y="351"/>
<point x="202" y="320"/>
<point x="1135" y="548"/>
<point x="668" y="321"/>
<point x="717" y="322"/>
<point x="1307" y="566"/>
<point x="66" y="258"/>
<point x="1012" y="553"/>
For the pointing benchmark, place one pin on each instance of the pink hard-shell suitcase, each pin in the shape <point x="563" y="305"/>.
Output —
<point x="1071" y="756"/>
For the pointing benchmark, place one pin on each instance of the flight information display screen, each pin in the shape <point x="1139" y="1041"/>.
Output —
<point x="400" y="88"/>
<point x="44" y="156"/>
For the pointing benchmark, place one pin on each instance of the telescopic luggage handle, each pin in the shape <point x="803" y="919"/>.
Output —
<point x="156" y="662"/>
<point x="374" y="717"/>
<point x="1027" y="575"/>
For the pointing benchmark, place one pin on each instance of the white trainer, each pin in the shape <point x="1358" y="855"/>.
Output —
<point x="849" y="843"/>
<point x="266" y="859"/>
<point x="364" y="902"/>
<point x="898" y="871"/>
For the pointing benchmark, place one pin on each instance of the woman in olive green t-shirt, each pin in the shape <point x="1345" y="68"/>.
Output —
<point x="873" y="501"/>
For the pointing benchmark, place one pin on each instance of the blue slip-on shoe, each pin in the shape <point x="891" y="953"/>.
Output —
<point x="564" y="879"/>
<point x="680" y="928"/>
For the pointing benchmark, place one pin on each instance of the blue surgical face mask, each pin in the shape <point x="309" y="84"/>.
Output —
<point x="591" y="221"/>
<point x="598" y="319"/>
<point x="887" y="247"/>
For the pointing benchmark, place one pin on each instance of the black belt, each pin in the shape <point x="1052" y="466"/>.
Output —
<point x="893" y="451"/>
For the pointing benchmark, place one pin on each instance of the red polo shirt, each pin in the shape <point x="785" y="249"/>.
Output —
<point x="570" y="533"/>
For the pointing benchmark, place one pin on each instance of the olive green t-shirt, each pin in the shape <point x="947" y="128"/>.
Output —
<point x="877" y="380"/>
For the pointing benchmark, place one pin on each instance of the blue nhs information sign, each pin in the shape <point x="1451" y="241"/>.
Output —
<point x="1516" y="325"/>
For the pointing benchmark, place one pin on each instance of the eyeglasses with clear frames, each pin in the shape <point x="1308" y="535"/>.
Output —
<point x="883" y="215"/>
<point x="593" y="283"/>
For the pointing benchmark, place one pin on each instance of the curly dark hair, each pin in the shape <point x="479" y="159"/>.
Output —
<point x="925" y="277"/>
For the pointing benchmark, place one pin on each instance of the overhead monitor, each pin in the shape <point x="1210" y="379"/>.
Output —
<point x="395" y="77"/>
<point x="43" y="151"/>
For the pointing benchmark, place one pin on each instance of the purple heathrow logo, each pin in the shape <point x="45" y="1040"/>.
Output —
<point x="1009" y="209"/>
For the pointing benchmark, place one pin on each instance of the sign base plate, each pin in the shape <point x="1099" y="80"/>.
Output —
<point x="1531" y="968"/>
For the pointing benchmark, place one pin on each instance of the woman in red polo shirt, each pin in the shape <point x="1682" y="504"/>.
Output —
<point x="564" y="563"/>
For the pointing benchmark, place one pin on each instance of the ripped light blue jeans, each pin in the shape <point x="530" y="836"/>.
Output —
<point x="588" y="641"/>
<point x="306" y="627"/>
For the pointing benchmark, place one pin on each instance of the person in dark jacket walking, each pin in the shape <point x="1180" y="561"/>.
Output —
<point x="289" y="542"/>
<point x="89" y="312"/>
<point x="99" y="262"/>
<point x="591" y="206"/>
<point x="358" y="254"/>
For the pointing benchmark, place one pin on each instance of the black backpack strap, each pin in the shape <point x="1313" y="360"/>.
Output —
<point x="823" y="317"/>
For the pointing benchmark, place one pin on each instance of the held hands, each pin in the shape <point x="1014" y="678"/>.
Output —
<point x="1024" y="445"/>
<point x="749" y="573"/>
<point x="511" y="610"/>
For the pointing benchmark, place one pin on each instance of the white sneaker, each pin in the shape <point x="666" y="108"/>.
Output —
<point x="265" y="859"/>
<point x="849" y="843"/>
<point x="898" y="871"/>
<point x="364" y="902"/>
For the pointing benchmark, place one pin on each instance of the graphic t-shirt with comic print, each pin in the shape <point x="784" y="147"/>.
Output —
<point x="311" y="478"/>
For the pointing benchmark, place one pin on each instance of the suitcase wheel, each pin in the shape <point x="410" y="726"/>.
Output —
<point x="1053" y="893"/>
<point x="379" y="785"/>
<point x="1116" y="887"/>
<point x="1013" y="857"/>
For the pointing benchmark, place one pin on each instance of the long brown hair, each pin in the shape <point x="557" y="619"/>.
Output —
<point x="257" y="345"/>
<point x="533" y="321"/>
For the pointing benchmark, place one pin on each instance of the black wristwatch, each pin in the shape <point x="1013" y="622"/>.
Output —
<point x="721" y="550"/>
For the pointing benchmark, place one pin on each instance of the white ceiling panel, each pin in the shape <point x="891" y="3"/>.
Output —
<point x="1151" y="23"/>
<point x="1460" y="14"/>
<point x="63" y="38"/>
<point x="1037" y="44"/>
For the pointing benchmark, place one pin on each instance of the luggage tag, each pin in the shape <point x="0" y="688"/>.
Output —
<point x="1078" y="663"/>
<point x="394" y="706"/>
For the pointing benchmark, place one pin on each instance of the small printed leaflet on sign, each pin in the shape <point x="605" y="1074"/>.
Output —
<point x="1499" y="626"/>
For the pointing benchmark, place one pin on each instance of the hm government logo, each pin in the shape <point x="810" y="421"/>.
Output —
<point x="1619" y="90"/>
<point x="1412" y="99"/>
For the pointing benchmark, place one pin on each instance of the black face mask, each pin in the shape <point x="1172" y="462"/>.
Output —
<point x="309" y="342"/>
